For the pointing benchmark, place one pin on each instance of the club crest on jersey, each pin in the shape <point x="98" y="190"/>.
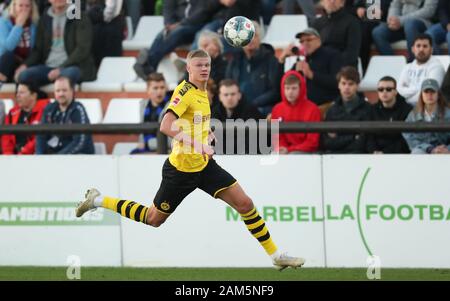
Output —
<point x="165" y="206"/>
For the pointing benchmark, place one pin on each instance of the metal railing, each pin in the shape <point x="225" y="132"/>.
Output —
<point x="284" y="127"/>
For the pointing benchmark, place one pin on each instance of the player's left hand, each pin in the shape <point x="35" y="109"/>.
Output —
<point x="208" y="150"/>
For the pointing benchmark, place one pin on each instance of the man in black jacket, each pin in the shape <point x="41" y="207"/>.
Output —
<point x="390" y="107"/>
<point x="340" y="30"/>
<point x="319" y="66"/>
<point x="349" y="106"/>
<point x="232" y="106"/>
<point x="63" y="47"/>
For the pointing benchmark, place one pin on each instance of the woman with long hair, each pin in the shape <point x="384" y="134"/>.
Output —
<point x="431" y="107"/>
<point x="17" y="36"/>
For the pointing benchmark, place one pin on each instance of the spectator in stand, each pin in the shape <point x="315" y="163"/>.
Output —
<point x="233" y="105"/>
<point x="349" y="106"/>
<point x="222" y="10"/>
<point x="65" y="110"/>
<point x="440" y="32"/>
<point x="340" y="30"/>
<point x="28" y="110"/>
<point x="17" y="37"/>
<point x="63" y="47"/>
<point x="424" y="66"/>
<point x="108" y="28"/>
<point x="296" y="107"/>
<point x="370" y="15"/>
<point x="256" y="69"/>
<point x="390" y="107"/>
<point x="406" y="19"/>
<point x="157" y="100"/>
<point x="431" y="107"/>
<point x="182" y="20"/>
<point x="319" y="66"/>
<point x="212" y="43"/>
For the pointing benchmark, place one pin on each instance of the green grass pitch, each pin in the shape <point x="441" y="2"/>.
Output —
<point x="218" y="274"/>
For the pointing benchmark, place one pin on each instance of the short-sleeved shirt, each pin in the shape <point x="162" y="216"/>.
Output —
<point x="191" y="106"/>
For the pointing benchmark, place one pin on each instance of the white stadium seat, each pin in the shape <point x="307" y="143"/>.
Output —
<point x="379" y="66"/>
<point x="100" y="148"/>
<point x="146" y="31"/>
<point x="93" y="108"/>
<point x="171" y="73"/>
<point x="8" y="88"/>
<point x="123" y="148"/>
<point x="9" y="104"/>
<point x="112" y="74"/>
<point x="283" y="28"/>
<point x="125" y="110"/>
<point x="137" y="86"/>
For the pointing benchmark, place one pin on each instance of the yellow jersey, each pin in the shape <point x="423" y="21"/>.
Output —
<point x="191" y="106"/>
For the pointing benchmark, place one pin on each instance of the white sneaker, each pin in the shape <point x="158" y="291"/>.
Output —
<point x="284" y="261"/>
<point x="88" y="203"/>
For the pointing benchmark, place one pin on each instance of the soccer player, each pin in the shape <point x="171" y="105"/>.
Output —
<point x="190" y="166"/>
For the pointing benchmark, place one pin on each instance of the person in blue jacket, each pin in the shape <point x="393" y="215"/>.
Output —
<point x="65" y="110"/>
<point x="17" y="36"/>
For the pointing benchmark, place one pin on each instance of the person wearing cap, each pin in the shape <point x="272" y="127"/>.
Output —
<point x="424" y="66"/>
<point x="341" y="30"/>
<point x="431" y="107"/>
<point x="319" y="66"/>
<point x="390" y="107"/>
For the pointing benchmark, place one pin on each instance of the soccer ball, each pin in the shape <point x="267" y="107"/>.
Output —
<point x="239" y="31"/>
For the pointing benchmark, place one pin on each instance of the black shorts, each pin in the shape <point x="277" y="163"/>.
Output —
<point x="176" y="185"/>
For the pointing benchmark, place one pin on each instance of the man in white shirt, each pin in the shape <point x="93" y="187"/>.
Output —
<point x="424" y="66"/>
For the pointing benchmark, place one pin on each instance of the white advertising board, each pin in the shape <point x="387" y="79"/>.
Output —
<point x="38" y="226"/>
<point x="395" y="207"/>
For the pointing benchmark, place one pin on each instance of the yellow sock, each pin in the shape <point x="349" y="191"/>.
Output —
<point x="126" y="208"/>
<point x="257" y="227"/>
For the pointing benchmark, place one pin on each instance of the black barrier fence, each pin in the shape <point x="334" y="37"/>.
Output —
<point x="282" y="127"/>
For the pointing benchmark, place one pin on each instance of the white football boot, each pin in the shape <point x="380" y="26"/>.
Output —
<point x="88" y="203"/>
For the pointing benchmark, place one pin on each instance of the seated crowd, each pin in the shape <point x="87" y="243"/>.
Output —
<point x="40" y="43"/>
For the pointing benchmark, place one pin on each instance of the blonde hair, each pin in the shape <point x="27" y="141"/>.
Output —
<point x="199" y="53"/>
<point x="213" y="36"/>
<point x="34" y="10"/>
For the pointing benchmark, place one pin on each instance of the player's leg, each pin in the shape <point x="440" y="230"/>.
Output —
<point x="220" y="184"/>
<point x="241" y="202"/>
<point x="127" y="208"/>
<point x="175" y="186"/>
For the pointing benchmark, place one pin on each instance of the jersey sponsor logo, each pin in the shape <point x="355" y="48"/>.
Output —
<point x="165" y="206"/>
<point x="185" y="89"/>
<point x="176" y="101"/>
<point x="199" y="118"/>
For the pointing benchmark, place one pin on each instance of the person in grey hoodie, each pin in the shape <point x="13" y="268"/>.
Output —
<point x="406" y="19"/>
<point x="431" y="107"/>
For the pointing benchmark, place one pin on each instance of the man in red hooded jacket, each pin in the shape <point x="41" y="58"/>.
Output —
<point x="28" y="110"/>
<point x="295" y="106"/>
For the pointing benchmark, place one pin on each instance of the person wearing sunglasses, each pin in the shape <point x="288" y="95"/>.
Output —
<point x="390" y="107"/>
